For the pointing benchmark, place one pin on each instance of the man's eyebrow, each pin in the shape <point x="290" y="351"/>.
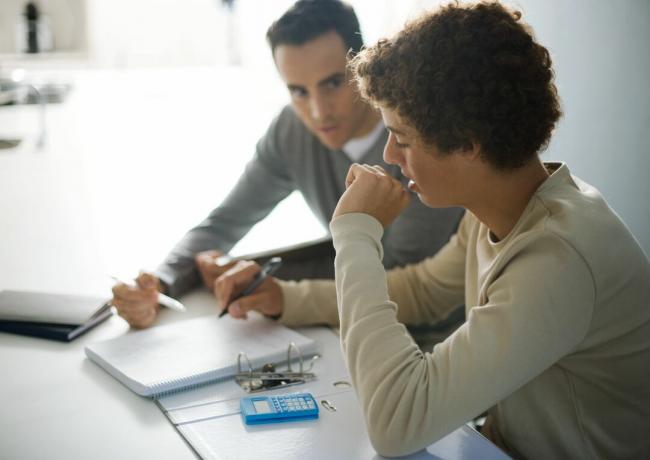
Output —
<point x="293" y="87"/>
<point x="323" y="82"/>
<point x="331" y="78"/>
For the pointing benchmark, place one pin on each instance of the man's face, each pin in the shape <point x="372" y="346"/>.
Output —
<point x="322" y="95"/>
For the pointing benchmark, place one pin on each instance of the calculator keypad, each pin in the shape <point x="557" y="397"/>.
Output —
<point x="293" y="403"/>
<point x="297" y="406"/>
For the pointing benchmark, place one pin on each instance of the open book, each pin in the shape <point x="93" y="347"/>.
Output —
<point x="165" y="359"/>
<point x="53" y="316"/>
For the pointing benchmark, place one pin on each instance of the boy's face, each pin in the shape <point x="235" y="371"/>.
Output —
<point x="322" y="95"/>
<point x="438" y="179"/>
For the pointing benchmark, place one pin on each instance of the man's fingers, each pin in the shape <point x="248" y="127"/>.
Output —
<point x="133" y="293"/>
<point x="242" y="272"/>
<point x="210" y="266"/>
<point x="215" y="269"/>
<point x="141" y="318"/>
<point x="137" y="306"/>
<point x="126" y="292"/>
<point x="147" y="281"/>
<point x="136" y="314"/>
<point x="207" y="257"/>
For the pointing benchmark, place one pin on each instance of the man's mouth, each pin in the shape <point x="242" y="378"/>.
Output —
<point x="327" y="129"/>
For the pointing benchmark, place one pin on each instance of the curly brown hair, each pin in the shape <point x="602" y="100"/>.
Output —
<point x="464" y="75"/>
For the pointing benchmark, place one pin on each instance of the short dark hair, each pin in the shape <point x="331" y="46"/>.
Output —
<point x="464" y="75"/>
<point x="308" y="19"/>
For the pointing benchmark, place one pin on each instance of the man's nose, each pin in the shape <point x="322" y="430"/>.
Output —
<point x="318" y="108"/>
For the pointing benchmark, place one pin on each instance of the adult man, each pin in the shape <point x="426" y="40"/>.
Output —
<point x="308" y="147"/>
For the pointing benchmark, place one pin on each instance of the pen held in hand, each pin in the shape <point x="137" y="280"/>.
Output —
<point x="267" y="270"/>
<point x="163" y="299"/>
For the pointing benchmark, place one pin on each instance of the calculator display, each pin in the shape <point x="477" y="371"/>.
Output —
<point x="262" y="407"/>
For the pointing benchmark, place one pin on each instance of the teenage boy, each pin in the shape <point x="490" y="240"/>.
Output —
<point x="309" y="147"/>
<point x="556" y="346"/>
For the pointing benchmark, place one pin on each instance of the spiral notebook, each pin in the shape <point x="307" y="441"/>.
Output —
<point x="165" y="359"/>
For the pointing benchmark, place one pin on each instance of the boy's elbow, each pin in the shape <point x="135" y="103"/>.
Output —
<point x="390" y="443"/>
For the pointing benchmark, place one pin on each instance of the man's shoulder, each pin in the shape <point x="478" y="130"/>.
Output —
<point x="287" y="125"/>
<point x="288" y="137"/>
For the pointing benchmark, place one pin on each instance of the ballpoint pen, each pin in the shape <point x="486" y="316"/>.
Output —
<point x="267" y="270"/>
<point x="163" y="299"/>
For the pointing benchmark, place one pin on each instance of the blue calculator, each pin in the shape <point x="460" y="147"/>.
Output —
<point x="256" y="410"/>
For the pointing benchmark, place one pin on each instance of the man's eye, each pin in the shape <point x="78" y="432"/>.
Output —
<point x="400" y="145"/>
<point x="297" y="93"/>
<point x="333" y="84"/>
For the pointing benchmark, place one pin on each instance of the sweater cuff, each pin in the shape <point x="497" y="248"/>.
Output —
<point x="292" y="300"/>
<point x="354" y="225"/>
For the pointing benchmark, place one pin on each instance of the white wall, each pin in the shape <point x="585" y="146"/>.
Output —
<point x="599" y="48"/>
<point x="602" y="62"/>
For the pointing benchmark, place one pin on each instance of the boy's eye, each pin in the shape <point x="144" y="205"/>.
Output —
<point x="399" y="144"/>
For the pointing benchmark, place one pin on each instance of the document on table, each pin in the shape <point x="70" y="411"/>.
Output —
<point x="209" y="419"/>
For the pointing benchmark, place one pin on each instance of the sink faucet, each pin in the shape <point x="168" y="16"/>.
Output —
<point x="41" y="137"/>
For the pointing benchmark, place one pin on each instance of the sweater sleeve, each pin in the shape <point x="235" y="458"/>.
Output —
<point x="426" y="292"/>
<point x="309" y="302"/>
<point x="409" y="398"/>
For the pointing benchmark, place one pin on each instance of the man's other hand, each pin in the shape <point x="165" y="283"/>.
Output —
<point x="210" y="266"/>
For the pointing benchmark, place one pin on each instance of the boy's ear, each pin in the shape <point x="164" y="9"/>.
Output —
<point x="472" y="152"/>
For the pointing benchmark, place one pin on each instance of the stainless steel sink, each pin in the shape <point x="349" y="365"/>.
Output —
<point x="12" y="92"/>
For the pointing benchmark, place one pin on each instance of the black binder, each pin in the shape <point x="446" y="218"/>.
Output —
<point x="50" y="316"/>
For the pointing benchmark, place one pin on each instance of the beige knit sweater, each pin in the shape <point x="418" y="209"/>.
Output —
<point x="556" y="343"/>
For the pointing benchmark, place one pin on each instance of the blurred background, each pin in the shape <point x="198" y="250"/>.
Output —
<point x="123" y="123"/>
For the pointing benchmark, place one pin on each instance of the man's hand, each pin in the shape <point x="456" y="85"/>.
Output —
<point x="138" y="304"/>
<point x="371" y="190"/>
<point x="267" y="299"/>
<point x="210" y="267"/>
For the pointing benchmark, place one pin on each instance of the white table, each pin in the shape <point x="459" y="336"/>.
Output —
<point x="131" y="161"/>
<point x="57" y="404"/>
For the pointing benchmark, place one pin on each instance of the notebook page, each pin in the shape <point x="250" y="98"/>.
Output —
<point x="189" y="352"/>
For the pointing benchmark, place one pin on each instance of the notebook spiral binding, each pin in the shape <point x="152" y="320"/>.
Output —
<point x="170" y="387"/>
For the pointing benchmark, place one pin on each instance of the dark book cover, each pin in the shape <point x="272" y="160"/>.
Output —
<point x="63" y="332"/>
